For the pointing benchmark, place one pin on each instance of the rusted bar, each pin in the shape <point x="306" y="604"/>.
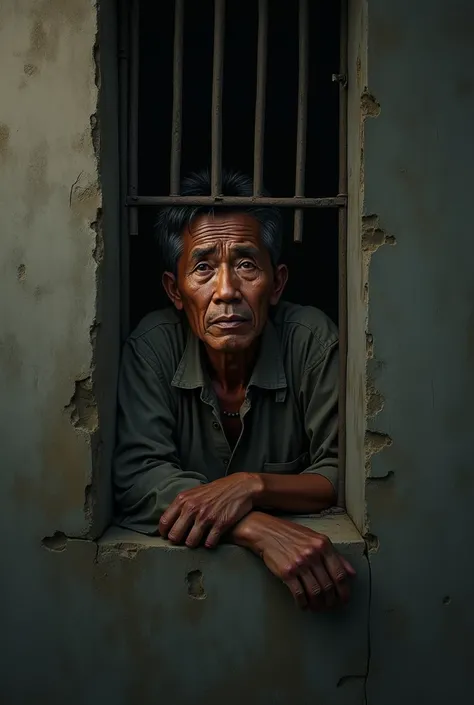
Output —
<point x="217" y="81"/>
<point x="123" y="136"/>
<point x="292" y="202"/>
<point x="342" y="240"/>
<point x="176" y="125"/>
<point x="259" y="135"/>
<point x="302" y="114"/>
<point x="133" y="120"/>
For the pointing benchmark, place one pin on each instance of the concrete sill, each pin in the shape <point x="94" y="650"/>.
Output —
<point x="338" y="527"/>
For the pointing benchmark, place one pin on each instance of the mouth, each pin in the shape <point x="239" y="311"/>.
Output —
<point x="232" y="321"/>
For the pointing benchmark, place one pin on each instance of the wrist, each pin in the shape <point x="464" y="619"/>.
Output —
<point x="250" y="532"/>
<point x="256" y="487"/>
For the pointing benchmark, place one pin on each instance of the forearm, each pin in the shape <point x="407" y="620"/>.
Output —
<point x="142" y="499"/>
<point x="299" y="494"/>
<point x="247" y="531"/>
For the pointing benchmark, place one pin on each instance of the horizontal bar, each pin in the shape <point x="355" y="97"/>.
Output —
<point x="238" y="201"/>
<point x="217" y="80"/>
<point x="259" y="134"/>
<point x="302" y="119"/>
<point x="176" y="125"/>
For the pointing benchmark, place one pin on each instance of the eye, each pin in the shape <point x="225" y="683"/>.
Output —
<point x="202" y="267"/>
<point x="247" y="264"/>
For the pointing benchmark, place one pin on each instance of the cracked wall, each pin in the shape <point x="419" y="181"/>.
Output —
<point x="51" y="244"/>
<point x="418" y="153"/>
<point x="117" y="611"/>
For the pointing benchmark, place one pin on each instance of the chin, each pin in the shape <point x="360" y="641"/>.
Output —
<point x="231" y="343"/>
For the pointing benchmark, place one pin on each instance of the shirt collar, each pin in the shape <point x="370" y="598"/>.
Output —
<point x="268" y="373"/>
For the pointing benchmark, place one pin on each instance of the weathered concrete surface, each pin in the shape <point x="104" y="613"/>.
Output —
<point x="85" y="624"/>
<point x="419" y="155"/>
<point x="49" y="201"/>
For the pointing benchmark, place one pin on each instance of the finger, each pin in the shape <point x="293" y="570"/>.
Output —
<point x="313" y="590"/>
<point x="347" y="566"/>
<point x="336" y="569"/>
<point x="196" y="534"/>
<point x="180" y="528"/>
<point x="168" y="519"/>
<point x="298" y="592"/>
<point x="214" y="536"/>
<point x="327" y="586"/>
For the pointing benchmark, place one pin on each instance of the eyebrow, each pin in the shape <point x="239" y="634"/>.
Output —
<point x="246" y="251"/>
<point x="202" y="252"/>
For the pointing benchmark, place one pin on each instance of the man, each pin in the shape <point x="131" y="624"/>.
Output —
<point x="228" y="400"/>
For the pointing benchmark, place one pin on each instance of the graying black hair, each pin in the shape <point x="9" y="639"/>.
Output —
<point x="173" y="219"/>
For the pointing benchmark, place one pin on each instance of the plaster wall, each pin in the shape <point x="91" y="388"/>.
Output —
<point x="87" y="621"/>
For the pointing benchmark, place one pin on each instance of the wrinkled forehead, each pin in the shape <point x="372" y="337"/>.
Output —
<point x="222" y="226"/>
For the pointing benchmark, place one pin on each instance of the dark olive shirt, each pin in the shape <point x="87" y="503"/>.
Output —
<point x="170" y="436"/>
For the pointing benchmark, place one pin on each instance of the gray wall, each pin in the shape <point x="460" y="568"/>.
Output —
<point x="419" y="156"/>
<point x="86" y="622"/>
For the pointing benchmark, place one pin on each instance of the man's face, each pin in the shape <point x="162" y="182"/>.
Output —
<point x="225" y="282"/>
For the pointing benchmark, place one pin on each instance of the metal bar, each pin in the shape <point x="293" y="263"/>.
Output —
<point x="259" y="135"/>
<point x="217" y="81"/>
<point x="302" y="115"/>
<point x="342" y="240"/>
<point x="176" y="126"/>
<point x="123" y="137"/>
<point x="133" y="120"/>
<point x="292" y="202"/>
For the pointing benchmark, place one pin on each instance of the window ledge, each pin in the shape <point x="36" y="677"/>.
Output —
<point x="338" y="527"/>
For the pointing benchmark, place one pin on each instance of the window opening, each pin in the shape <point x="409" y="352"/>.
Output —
<point x="184" y="67"/>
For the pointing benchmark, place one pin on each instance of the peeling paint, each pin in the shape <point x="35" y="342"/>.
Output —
<point x="374" y="443"/>
<point x="56" y="542"/>
<point x="82" y="407"/>
<point x="195" y="583"/>
<point x="372" y="542"/>
<point x="374" y="400"/>
<point x="118" y="550"/>
<point x="21" y="272"/>
<point x="370" y="107"/>
<point x="369" y="338"/>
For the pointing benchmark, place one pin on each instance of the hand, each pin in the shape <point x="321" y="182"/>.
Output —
<point x="213" y="509"/>
<point x="306" y="561"/>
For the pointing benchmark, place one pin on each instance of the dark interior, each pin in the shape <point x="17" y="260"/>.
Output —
<point x="314" y="263"/>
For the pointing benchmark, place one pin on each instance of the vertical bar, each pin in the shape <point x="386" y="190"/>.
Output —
<point x="123" y="117"/>
<point x="176" y="125"/>
<point x="302" y="115"/>
<point x="217" y="81"/>
<point x="133" y="124"/>
<point x="342" y="240"/>
<point x="259" y="135"/>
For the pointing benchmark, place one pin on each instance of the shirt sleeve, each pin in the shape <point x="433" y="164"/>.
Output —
<point x="147" y="472"/>
<point x="319" y="395"/>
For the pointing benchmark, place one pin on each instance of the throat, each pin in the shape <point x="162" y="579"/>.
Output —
<point x="230" y="372"/>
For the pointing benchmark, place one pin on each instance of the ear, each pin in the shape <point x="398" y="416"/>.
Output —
<point x="280" y="277"/>
<point x="170" y="285"/>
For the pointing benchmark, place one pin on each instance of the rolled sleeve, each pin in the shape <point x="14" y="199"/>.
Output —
<point x="147" y="472"/>
<point x="319" y="393"/>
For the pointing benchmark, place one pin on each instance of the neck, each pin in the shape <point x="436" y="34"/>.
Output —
<point x="231" y="370"/>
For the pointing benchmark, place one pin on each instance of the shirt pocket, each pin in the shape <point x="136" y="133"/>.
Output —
<point x="291" y="468"/>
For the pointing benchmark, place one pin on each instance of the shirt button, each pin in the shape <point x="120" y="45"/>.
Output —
<point x="215" y="426"/>
<point x="226" y="461"/>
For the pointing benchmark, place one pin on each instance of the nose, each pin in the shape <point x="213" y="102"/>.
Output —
<point x="227" y="288"/>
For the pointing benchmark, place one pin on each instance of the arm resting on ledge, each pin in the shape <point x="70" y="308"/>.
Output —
<point x="295" y="494"/>
<point x="306" y="561"/>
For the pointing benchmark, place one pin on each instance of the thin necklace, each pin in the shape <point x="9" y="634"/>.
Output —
<point x="231" y="414"/>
